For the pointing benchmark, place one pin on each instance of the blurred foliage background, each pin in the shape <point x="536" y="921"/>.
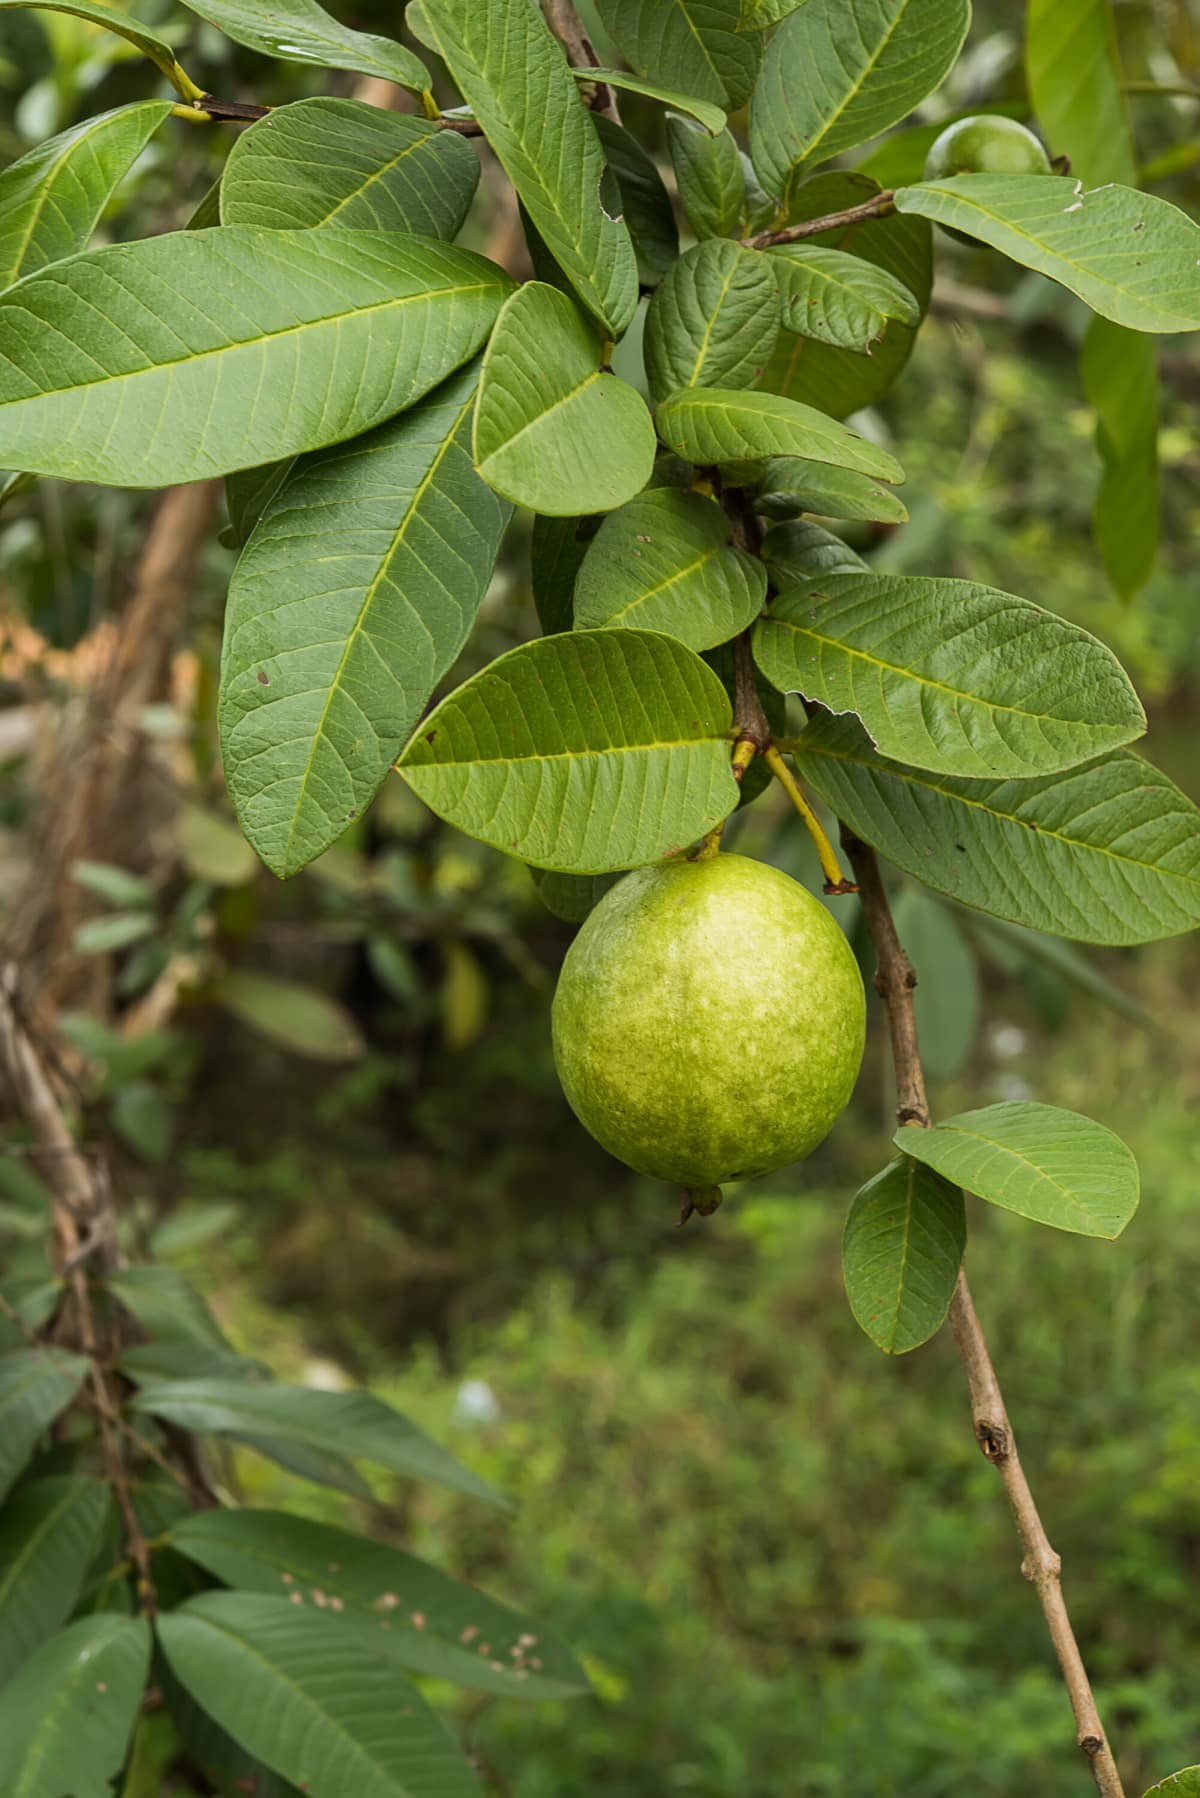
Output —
<point x="789" y="1569"/>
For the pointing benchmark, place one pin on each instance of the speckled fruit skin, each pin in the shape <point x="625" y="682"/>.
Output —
<point x="986" y="145"/>
<point x="709" y="1021"/>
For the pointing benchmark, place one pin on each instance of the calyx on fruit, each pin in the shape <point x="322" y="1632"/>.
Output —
<point x="709" y="1022"/>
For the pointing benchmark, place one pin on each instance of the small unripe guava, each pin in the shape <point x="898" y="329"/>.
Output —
<point x="709" y="1021"/>
<point x="988" y="144"/>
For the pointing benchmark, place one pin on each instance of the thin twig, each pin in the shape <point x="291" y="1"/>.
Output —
<point x="895" y="981"/>
<point x="836" y="883"/>
<point x="877" y="207"/>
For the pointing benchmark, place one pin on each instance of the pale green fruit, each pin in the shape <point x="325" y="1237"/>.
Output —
<point x="709" y="1019"/>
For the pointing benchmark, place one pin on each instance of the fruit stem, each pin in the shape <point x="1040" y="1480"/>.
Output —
<point x="744" y="753"/>
<point x="835" y="881"/>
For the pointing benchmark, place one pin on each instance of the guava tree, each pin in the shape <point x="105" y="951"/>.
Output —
<point x="380" y="401"/>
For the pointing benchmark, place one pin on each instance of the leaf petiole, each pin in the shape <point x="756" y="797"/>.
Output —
<point x="835" y="881"/>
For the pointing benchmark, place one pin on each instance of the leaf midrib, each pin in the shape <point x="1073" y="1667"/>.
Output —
<point x="562" y="755"/>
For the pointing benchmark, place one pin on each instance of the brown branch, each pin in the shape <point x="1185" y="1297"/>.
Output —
<point x="895" y="981"/>
<point x="877" y="207"/>
<point x="571" y="33"/>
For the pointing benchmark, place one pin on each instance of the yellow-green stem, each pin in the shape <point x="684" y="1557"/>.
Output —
<point x="835" y="880"/>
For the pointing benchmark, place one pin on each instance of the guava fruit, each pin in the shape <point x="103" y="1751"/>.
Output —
<point x="987" y="144"/>
<point x="709" y="1021"/>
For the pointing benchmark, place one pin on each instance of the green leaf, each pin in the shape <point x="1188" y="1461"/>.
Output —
<point x="1073" y="69"/>
<point x="947" y="999"/>
<point x="713" y="321"/>
<point x="67" y="1715"/>
<point x="167" y="1306"/>
<point x="49" y="1531"/>
<point x="586" y="753"/>
<point x="1030" y="948"/>
<point x="950" y="675"/>
<point x="306" y="1696"/>
<point x="664" y="563"/>
<point x="248" y="492"/>
<point x="1108" y="853"/>
<point x="709" y="177"/>
<point x="901" y="1252"/>
<point x="305" y="1461"/>
<point x="693" y="43"/>
<point x="342" y="163"/>
<point x="299" y="1018"/>
<point x="838" y="298"/>
<point x="838" y="72"/>
<point x="36" y="1384"/>
<point x="356" y="1425"/>
<point x="213" y="848"/>
<point x="1043" y="1163"/>
<point x="1185" y="1784"/>
<point x="197" y="352"/>
<point x="1120" y="378"/>
<point x="52" y="198"/>
<point x="710" y="116"/>
<point x="1132" y="257"/>
<point x="791" y="485"/>
<point x="115" y="930"/>
<point x="645" y="201"/>
<point x="556" y="554"/>
<point x="304" y="32"/>
<point x="801" y="550"/>
<point x="571" y="896"/>
<point x="229" y="1769"/>
<point x="514" y="77"/>
<point x="132" y="30"/>
<point x="841" y="381"/>
<point x="756" y="14"/>
<point x="710" y="424"/>
<point x="329" y="659"/>
<point x="415" y="1617"/>
<point x="551" y="431"/>
<point x="116" y="886"/>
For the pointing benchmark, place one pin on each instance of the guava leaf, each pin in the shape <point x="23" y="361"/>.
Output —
<point x="1053" y="1166"/>
<point x="901" y="1252"/>
<point x="644" y="201"/>
<point x="703" y="111"/>
<point x="556" y="551"/>
<point x="552" y="431"/>
<point x="584" y="753"/>
<point x="113" y="19"/>
<point x="791" y="486"/>
<point x="1120" y="379"/>
<point x="804" y="551"/>
<point x="415" y="1616"/>
<point x="712" y="425"/>
<point x="36" y="1384"/>
<point x="1106" y="853"/>
<point x="838" y="72"/>
<point x="328" y="162"/>
<point x="199" y="352"/>
<point x="838" y="298"/>
<point x="664" y="562"/>
<point x="1131" y="257"/>
<point x="52" y="197"/>
<point x="302" y="31"/>
<point x="950" y="675"/>
<point x="709" y="177"/>
<point x="713" y="321"/>
<point x="300" y="1690"/>
<point x="330" y="659"/>
<point x="49" y="1531"/>
<point x="67" y="1714"/>
<point x="1185" y="1784"/>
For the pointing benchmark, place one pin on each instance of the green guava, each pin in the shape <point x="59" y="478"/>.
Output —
<point x="709" y="1021"/>
<point x="987" y="144"/>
